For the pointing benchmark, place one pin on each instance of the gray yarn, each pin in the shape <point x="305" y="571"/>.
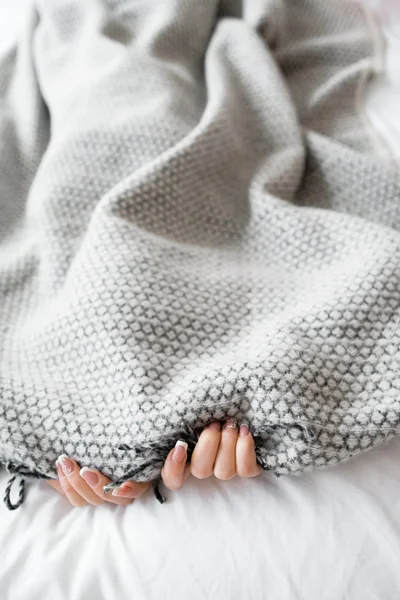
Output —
<point x="7" y="493"/>
<point x="194" y="225"/>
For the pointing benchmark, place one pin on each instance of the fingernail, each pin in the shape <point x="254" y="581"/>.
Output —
<point x="90" y="476"/>
<point x="231" y="424"/>
<point x="179" y="453"/>
<point x="124" y="490"/>
<point x="244" y="430"/>
<point x="66" y="464"/>
<point x="214" y="426"/>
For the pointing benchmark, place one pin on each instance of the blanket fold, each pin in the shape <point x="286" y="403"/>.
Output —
<point x="194" y="225"/>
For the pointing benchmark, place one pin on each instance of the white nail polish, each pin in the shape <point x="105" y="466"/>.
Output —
<point x="115" y="491"/>
<point x="66" y="464"/>
<point x="83" y="470"/>
<point x="180" y="443"/>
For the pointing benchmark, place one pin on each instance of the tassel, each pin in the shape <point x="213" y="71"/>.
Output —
<point x="7" y="494"/>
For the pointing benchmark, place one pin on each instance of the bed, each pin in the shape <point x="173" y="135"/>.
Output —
<point x="329" y="535"/>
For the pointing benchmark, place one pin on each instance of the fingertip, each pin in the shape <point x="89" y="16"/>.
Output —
<point x="230" y="426"/>
<point x="174" y="471"/>
<point x="179" y="453"/>
<point x="246" y="459"/>
<point x="90" y="476"/>
<point x="130" y="490"/>
<point x="245" y="436"/>
<point x="68" y="465"/>
<point x="214" y="426"/>
<point x="244" y="430"/>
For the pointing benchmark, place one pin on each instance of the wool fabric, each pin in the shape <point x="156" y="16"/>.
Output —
<point x="195" y="225"/>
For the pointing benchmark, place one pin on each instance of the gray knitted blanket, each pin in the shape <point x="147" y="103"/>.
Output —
<point x="194" y="225"/>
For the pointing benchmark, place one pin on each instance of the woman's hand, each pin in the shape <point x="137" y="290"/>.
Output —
<point x="224" y="453"/>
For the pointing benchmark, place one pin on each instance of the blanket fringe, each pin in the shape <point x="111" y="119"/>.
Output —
<point x="21" y="494"/>
<point x="187" y="433"/>
<point x="157" y="492"/>
<point x="21" y="472"/>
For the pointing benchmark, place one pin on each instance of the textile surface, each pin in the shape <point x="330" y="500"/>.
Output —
<point x="194" y="225"/>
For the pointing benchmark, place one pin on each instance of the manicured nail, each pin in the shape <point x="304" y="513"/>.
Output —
<point x="179" y="453"/>
<point x="244" y="430"/>
<point x="124" y="491"/>
<point x="231" y="424"/>
<point x="214" y="426"/>
<point x="90" y="476"/>
<point x="66" y="464"/>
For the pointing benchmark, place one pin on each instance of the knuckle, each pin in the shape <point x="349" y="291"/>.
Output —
<point x="224" y="474"/>
<point x="201" y="472"/>
<point x="245" y="470"/>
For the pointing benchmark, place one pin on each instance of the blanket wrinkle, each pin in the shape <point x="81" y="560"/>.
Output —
<point x="194" y="225"/>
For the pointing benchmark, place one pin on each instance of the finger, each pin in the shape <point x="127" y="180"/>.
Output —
<point x="175" y="471"/>
<point x="225" y="462"/>
<point x="56" y="485"/>
<point x="129" y="490"/>
<point x="205" y="451"/>
<point x="96" y="481"/>
<point x="70" y="470"/>
<point x="73" y="496"/>
<point x="246" y="459"/>
<point x="95" y="496"/>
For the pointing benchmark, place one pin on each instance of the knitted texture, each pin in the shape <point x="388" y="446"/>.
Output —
<point x="194" y="225"/>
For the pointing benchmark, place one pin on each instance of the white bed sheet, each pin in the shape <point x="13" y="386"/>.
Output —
<point x="329" y="535"/>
